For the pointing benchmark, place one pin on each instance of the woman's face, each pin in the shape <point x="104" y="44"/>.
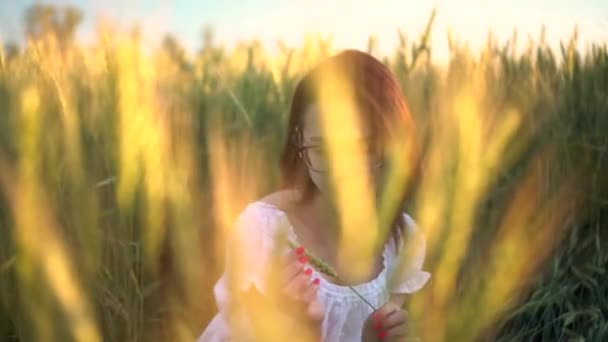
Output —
<point x="317" y="160"/>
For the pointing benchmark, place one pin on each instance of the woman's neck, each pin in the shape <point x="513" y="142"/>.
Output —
<point x="319" y="215"/>
<point x="321" y="221"/>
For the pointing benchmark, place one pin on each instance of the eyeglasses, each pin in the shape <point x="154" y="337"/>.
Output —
<point x="315" y="157"/>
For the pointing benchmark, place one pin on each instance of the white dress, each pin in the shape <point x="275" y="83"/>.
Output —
<point x="345" y="312"/>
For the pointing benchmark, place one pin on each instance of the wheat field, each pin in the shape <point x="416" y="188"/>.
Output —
<point x="123" y="168"/>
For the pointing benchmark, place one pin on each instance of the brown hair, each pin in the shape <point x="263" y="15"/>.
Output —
<point x="380" y="101"/>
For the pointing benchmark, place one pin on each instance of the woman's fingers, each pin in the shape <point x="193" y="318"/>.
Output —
<point x="294" y="262"/>
<point x="385" y="311"/>
<point x="297" y="286"/>
<point x="299" y="289"/>
<point x="395" y="335"/>
<point x="394" y="319"/>
<point x="316" y="312"/>
<point x="291" y="271"/>
<point x="293" y="255"/>
<point x="390" y="323"/>
<point x="296" y="275"/>
<point x="310" y="292"/>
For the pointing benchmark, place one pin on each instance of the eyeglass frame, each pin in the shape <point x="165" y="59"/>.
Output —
<point x="302" y="152"/>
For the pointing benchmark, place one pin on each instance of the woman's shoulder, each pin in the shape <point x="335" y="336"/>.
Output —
<point x="253" y="241"/>
<point x="277" y="202"/>
<point x="267" y="213"/>
<point x="280" y="200"/>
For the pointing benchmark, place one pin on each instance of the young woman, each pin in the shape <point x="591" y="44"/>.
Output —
<point x="306" y="205"/>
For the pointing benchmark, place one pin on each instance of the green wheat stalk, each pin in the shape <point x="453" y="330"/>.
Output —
<point x="323" y="267"/>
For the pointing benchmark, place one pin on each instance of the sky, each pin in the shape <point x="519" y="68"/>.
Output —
<point x="348" y="22"/>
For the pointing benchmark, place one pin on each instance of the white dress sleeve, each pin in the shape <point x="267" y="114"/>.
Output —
<point x="407" y="266"/>
<point x="249" y="251"/>
<point x="248" y="256"/>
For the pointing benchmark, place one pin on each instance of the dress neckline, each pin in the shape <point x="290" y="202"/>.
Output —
<point x="367" y="287"/>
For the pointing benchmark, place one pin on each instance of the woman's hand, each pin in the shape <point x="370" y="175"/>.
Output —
<point x="389" y="323"/>
<point x="299" y="290"/>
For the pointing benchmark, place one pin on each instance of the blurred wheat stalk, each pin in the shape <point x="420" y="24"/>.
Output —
<point x="123" y="171"/>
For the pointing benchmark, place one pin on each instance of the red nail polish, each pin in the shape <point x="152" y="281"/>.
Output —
<point x="303" y="259"/>
<point x="300" y="250"/>
<point x="381" y="335"/>
<point x="316" y="281"/>
<point x="377" y="325"/>
<point x="376" y="316"/>
<point x="308" y="271"/>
